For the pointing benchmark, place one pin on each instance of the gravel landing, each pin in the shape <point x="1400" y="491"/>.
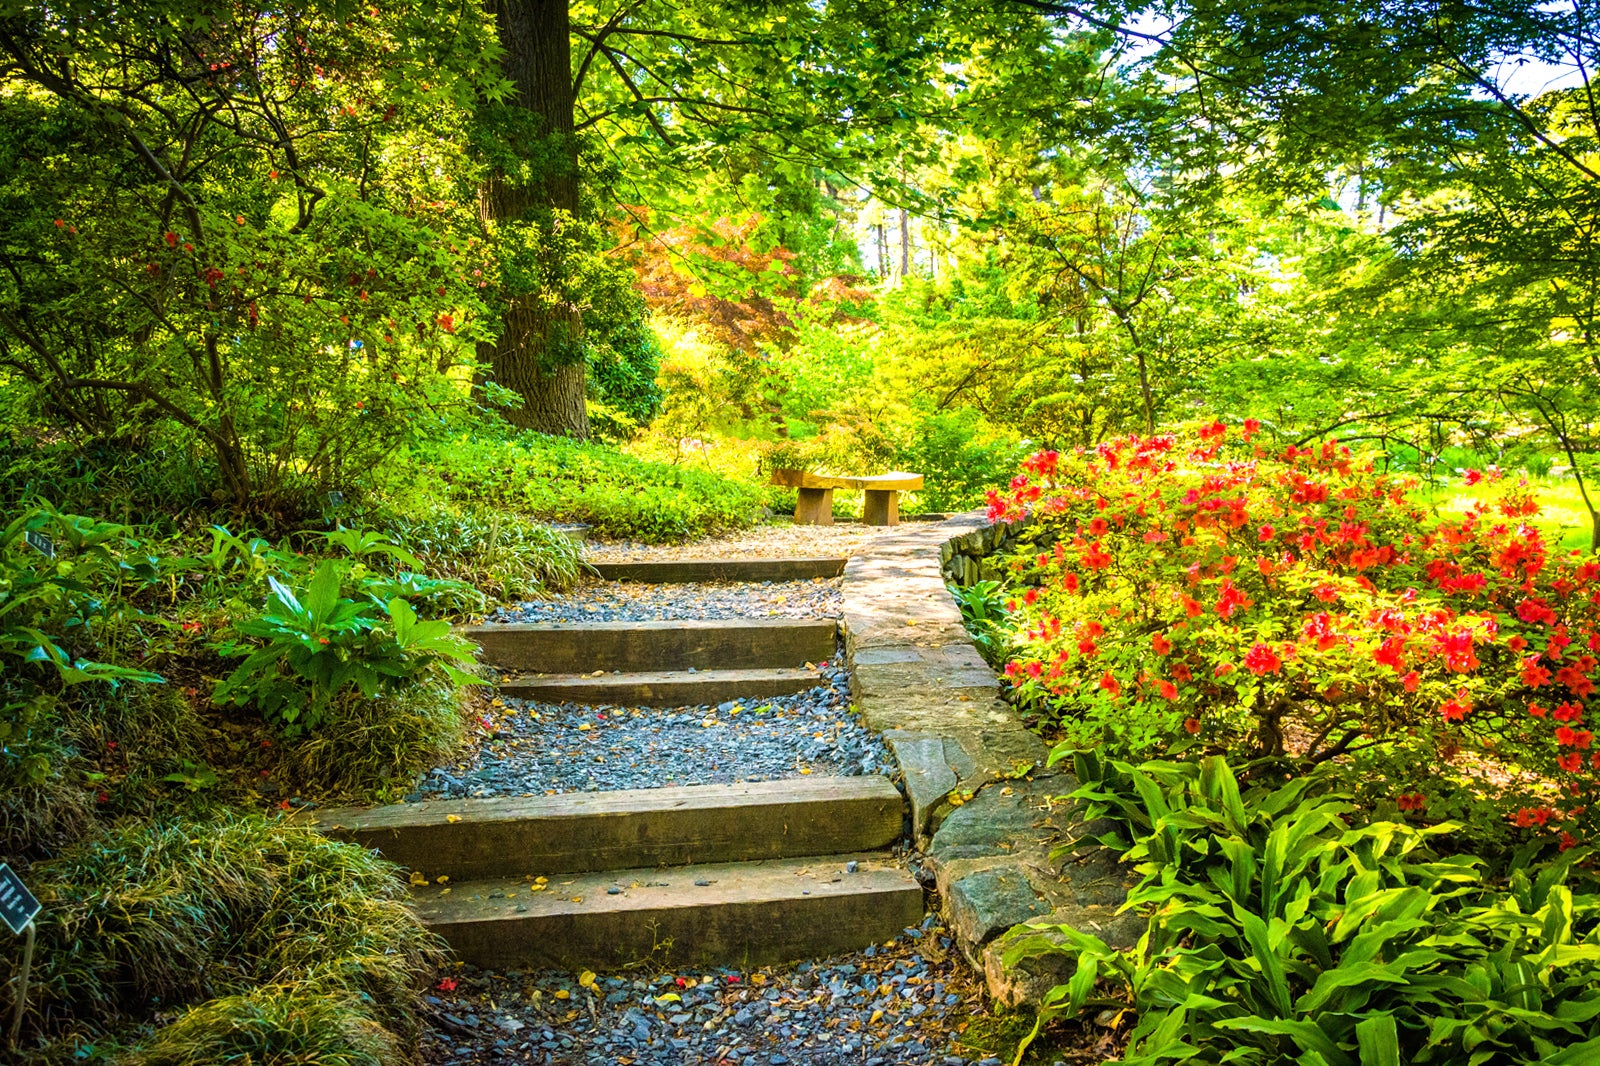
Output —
<point x="776" y="540"/>
<point x="633" y="602"/>
<point x="902" y="1004"/>
<point x="527" y="748"/>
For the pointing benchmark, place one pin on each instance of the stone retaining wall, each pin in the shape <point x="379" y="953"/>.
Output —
<point x="981" y="795"/>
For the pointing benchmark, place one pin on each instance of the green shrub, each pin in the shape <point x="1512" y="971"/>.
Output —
<point x="1281" y="932"/>
<point x="274" y="1025"/>
<point x="372" y="748"/>
<point x="157" y="916"/>
<point x="506" y="557"/>
<point x="615" y="494"/>
<point x="338" y="635"/>
<point x="987" y="621"/>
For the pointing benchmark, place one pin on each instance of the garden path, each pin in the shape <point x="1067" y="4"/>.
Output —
<point x="767" y="781"/>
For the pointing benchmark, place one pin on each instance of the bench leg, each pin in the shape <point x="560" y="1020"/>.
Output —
<point x="814" y="508"/>
<point x="882" y="508"/>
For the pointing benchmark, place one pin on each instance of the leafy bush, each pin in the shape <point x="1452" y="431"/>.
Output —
<point x="1278" y="933"/>
<point x="984" y="615"/>
<point x="1194" y="593"/>
<point x="325" y="643"/>
<point x="616" y="494"/>
<point x="54" y="613"/>
<point x="160" y="916"/>
<point x="274" y="1024"/>
<point x="506" y="557"/>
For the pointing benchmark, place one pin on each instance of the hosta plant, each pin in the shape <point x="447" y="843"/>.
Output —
<point x="1279" y="931"/>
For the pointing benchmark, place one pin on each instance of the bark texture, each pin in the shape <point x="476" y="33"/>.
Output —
<point x="531" y="356"/>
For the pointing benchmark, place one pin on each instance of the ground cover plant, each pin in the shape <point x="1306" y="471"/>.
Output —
<point x="1285" y="927"/>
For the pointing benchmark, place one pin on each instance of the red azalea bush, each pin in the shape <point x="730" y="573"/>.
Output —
<point x="1199" y="591"/>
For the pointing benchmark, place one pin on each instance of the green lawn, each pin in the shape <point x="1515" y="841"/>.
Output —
<point x="1562" y="515"/>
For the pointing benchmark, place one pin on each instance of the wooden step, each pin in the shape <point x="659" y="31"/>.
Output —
<point x="736" y="914"/>
<point x="582" y="831"/>
<point x="725" y="644"/>
<point x="678" y="571"/>
<point x="671" y="688"/>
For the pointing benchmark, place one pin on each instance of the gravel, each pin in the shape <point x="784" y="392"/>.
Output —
<point x="637" y="602"/>
<point x="900" y="1004"/>
<point x="526" y="748"/>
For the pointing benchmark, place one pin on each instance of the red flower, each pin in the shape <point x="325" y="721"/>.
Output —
<point x="1192" y="608"/>
<point x="1191" y="725"/>
<point x="1261" y="660"/>
<point x="1413" y="801"/>
<point x="1030" y="597"/>
<point x="1110" y="684"/>
<point x="1180" y="672"/>
<point x="1160" y="644"/>
<point x="1168" y="690"/>
<point x="447" y="323"/>
<point x="1568" y="712"/>
<point x="171" y="239"/>
<point x="1410" y="681"/>
<point x="1537" y="711"/>
<point x="447" y="984"/>
<point x="1457" y="709"/>
<point x="1473" y="477"/>
<point x="1266" y="533"/>
<point x="1572" y="762"/>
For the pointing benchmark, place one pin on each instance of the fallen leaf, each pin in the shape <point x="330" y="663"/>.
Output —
<point x="586" y="979"/>
<point x="418" y="877"/>
<point x="452" y="818"/>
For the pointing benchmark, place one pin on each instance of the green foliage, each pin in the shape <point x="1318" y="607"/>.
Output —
<point x="505" y="556"/>
<point x="157" y="917"/>
<point x="984" y="614"/>
<point x="268" y="240"/>
<point x="615" y="494"/>
<point x="1279" y="931"/>
<point x="54" y="615"/>
<point x="339" y="634"/>
<point x="270" y="1024"/>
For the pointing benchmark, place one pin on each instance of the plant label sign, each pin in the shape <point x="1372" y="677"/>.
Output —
<point x="18" y="908"/>
<point x="40" y="543"/>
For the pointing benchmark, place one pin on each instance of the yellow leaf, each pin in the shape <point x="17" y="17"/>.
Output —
<point x="877" y="1016"/>
<point x="586" y="979"/>
<point x="805" y="769"/>
<point x="442" y="879"/>
<point x="758" y="978"/>
<point x="452" y="818"/>
<point x="670" y="997"/>
<point x="562" y="993"/>
<point x="585" y="727"/>
<point x="418" y="877"/>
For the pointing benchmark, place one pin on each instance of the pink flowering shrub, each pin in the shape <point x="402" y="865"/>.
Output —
<point x="1198" y="592"/>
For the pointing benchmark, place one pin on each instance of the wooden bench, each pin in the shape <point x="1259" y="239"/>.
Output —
<point x="815" y="505"/>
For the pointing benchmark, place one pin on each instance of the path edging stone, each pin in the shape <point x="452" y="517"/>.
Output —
<point x="982" y="796"/>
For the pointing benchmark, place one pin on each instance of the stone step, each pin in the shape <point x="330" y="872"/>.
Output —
<point x="724" y="644"/>
<point x="671" y="688"/>
<point x="737" y="914"/>
<point x="585" y="831"/>
<point x="677" y="571"/>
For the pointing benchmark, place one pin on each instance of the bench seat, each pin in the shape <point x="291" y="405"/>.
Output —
<point x="814" y="507"/>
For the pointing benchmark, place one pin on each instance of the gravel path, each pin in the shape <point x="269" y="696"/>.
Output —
<point x="634" y="602"/>
<point x="528" y="748"/>
<point x="902" y="1004"/>
<point x="775" y="540"/>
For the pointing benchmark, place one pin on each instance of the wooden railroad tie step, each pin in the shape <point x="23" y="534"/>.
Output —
<point x="671" y="688"/>
<point x="736" y="914"/>
<point x="587" y="831"/>
<point x="676" y="571"/>
<point x="730" y="644"/>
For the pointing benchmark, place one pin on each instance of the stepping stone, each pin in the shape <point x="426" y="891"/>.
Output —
<point x="585" y="831"/>
<point x="741" y="914"/>
<point x="661" y="689"/>
<point x="678" y="571"/>
<point x="723" y="644"/>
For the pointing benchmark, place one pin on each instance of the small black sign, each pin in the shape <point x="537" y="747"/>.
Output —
<point x="335" y="499"/>
<point x="17" y="905"/>
<point x="40" y="543"/>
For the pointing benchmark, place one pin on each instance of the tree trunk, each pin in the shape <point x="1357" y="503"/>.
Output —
<point x="539" y="354"/>
<point x="905" y="244"/>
